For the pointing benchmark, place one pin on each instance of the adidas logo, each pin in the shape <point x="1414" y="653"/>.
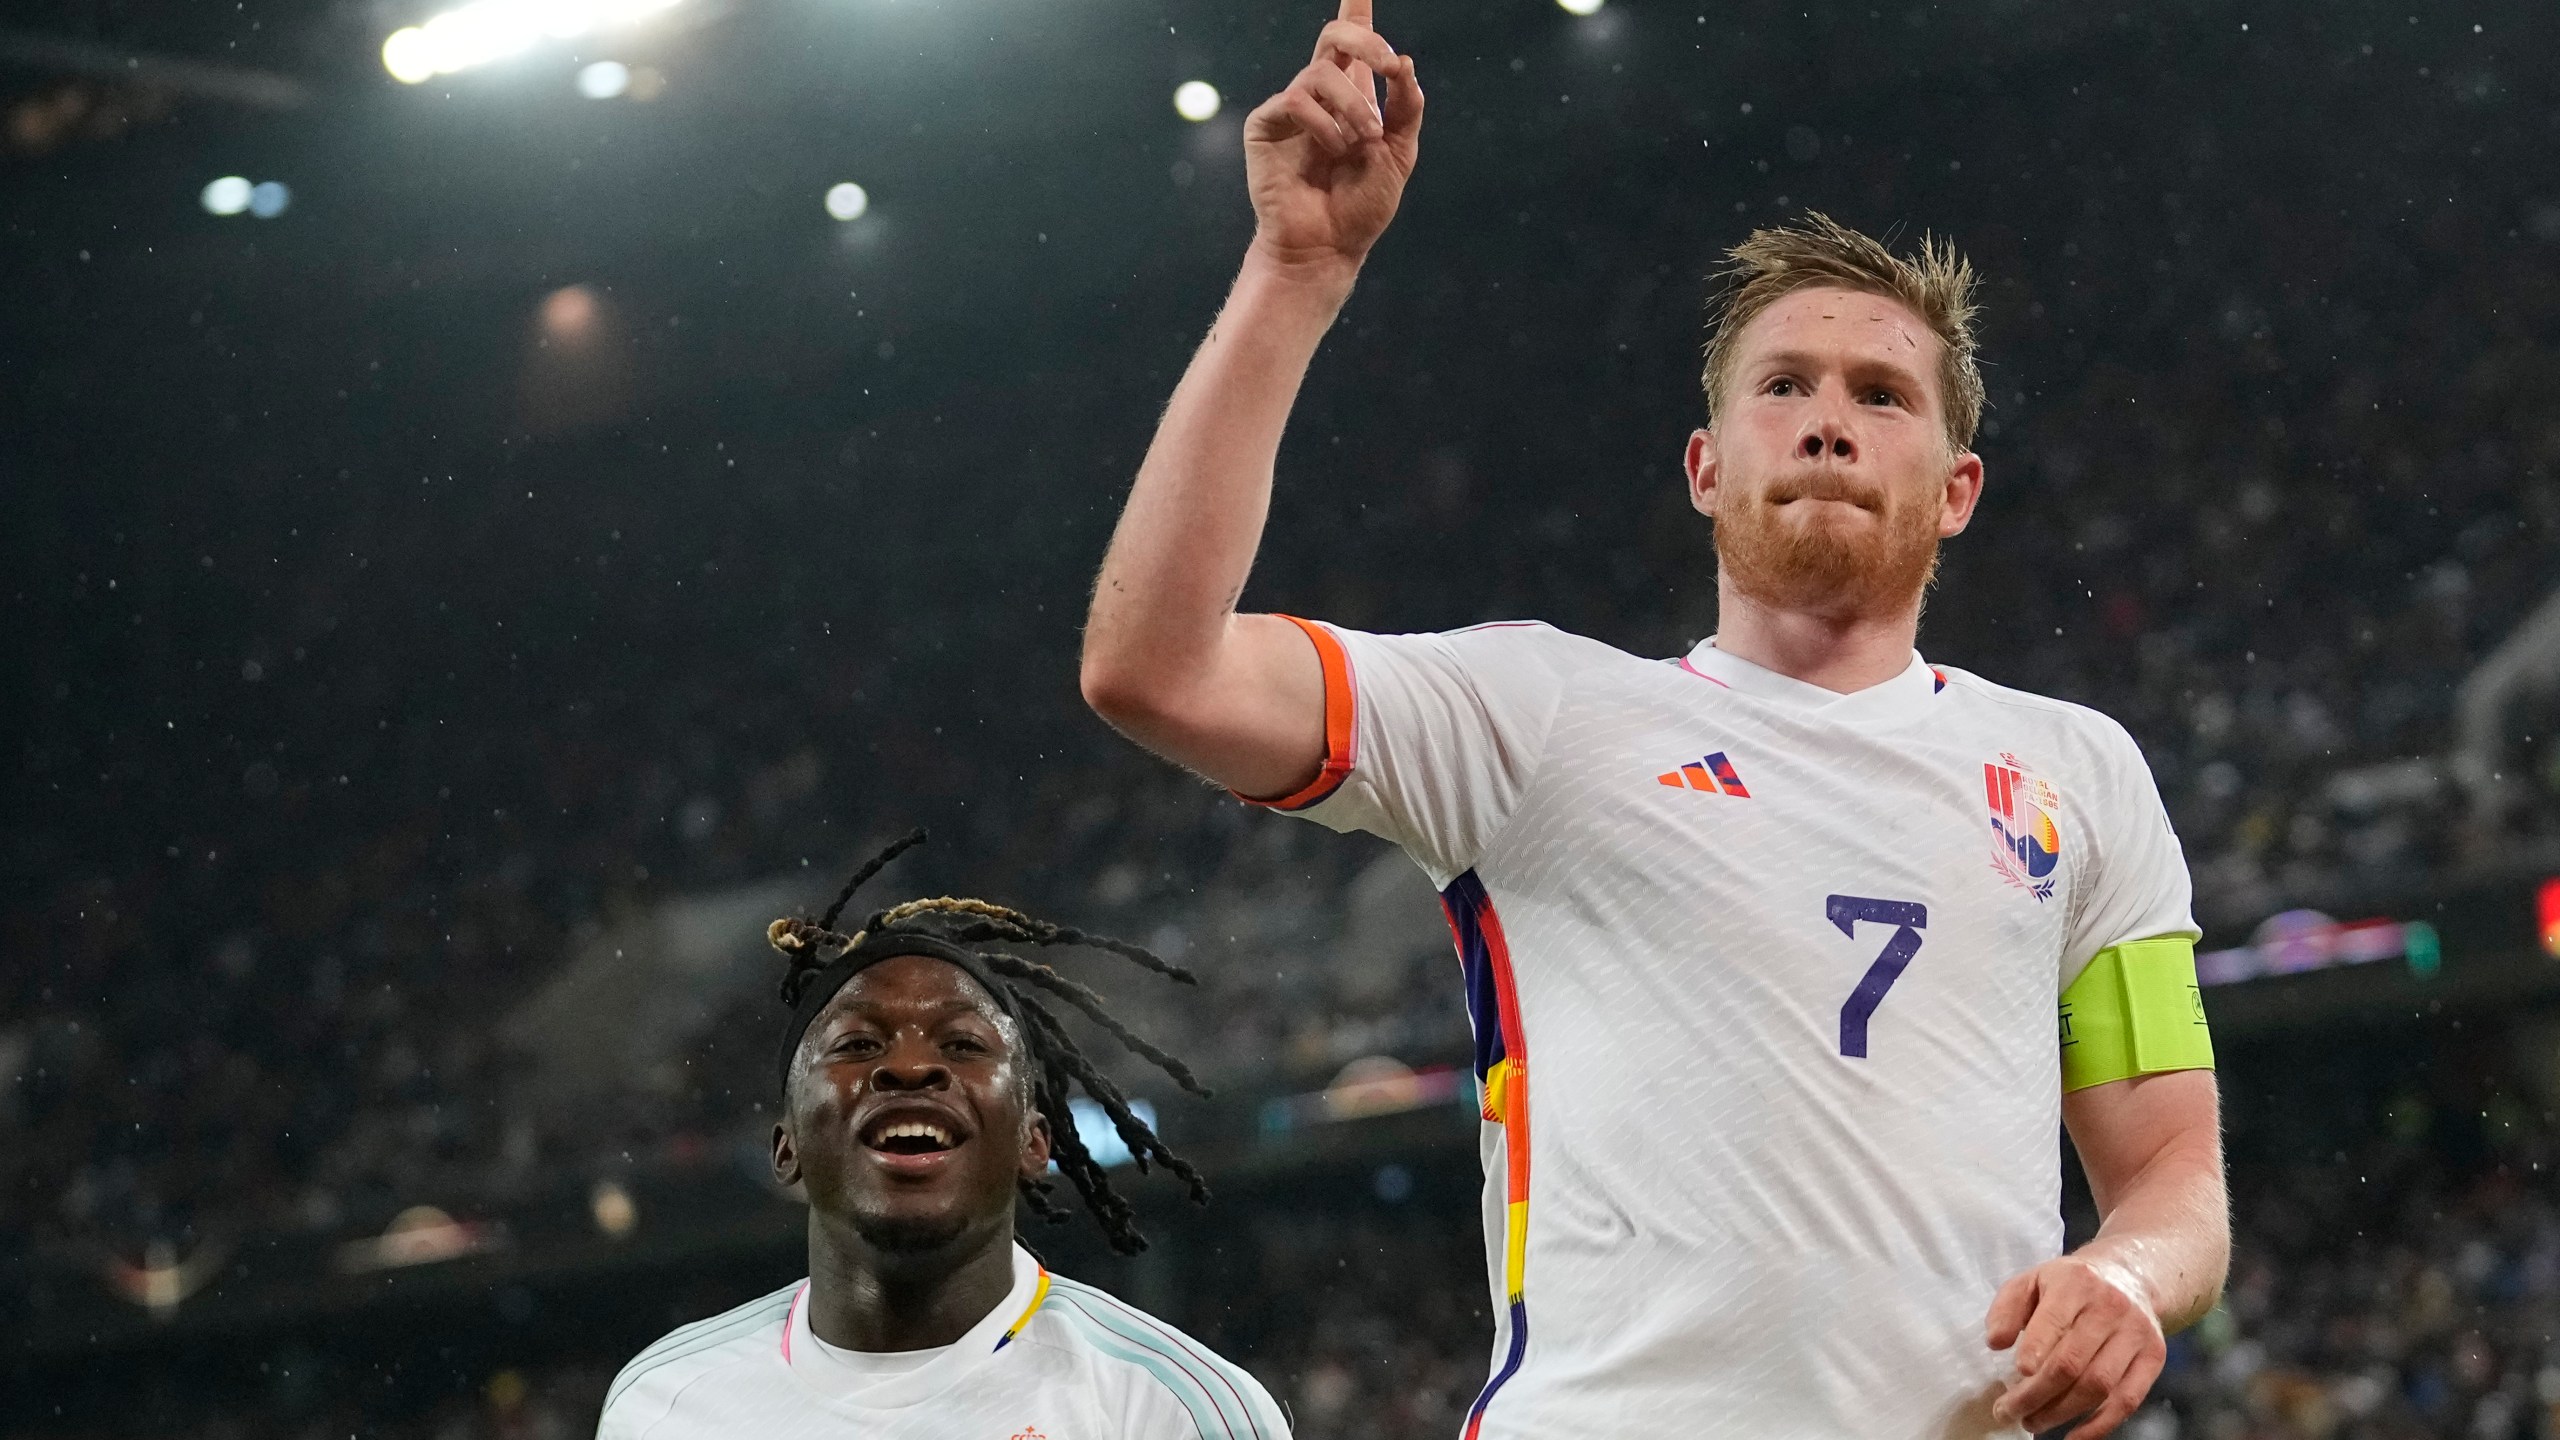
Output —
<point x="1713" y="774"/>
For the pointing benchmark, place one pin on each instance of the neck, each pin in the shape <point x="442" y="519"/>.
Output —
<point x="1842" y="654"/>
<point x="864" y="1298"/>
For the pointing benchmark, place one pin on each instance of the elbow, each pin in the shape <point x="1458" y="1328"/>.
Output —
<point x="1117" y="689"/>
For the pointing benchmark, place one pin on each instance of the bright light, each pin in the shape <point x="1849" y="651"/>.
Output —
<point x="569" y="313"/>
<point x="613" y="1208"/>
<point x="847" y="201"/>
<point x="268" y="198"/>
<point x="1195" y="100"/>
<point x="227" y="196"/>
<point x="409" y="55"/>
<point x="604" y="80"/>
<point x="486" y="30"/>
<point x="1582" y="7"/>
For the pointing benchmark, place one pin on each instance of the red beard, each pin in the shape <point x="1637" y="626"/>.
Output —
<point x="1831" y="569"/>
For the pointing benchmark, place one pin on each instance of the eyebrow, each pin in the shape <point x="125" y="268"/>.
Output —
<point x="1806" y="360"/>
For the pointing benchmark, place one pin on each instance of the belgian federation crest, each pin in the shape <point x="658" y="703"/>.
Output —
<point x="2026" y="833"/>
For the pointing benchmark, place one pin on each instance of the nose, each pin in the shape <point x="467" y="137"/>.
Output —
<point x="1826" y="437"/>
<point x="911" y="1069"/>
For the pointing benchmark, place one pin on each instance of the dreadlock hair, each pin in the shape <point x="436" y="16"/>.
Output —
<point x="949" y="927"/>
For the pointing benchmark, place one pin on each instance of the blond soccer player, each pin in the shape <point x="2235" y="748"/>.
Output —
<point x="1786" y="958"/>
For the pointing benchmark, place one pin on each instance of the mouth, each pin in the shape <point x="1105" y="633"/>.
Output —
<point x="912" y="1143"/>
<point x="1831" y="495"/>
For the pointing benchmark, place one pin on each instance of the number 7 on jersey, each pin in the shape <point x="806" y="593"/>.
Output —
<point x="1908" y="918"/>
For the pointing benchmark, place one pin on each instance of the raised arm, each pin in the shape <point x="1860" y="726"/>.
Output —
<point x="1167" y="660"/>
<point x="2089" y="1327"/>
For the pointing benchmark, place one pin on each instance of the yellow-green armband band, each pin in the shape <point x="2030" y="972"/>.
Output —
<point x="2135" y="1011"/>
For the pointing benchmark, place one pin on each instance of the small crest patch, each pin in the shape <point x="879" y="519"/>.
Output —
<point x="2026" y="830"/>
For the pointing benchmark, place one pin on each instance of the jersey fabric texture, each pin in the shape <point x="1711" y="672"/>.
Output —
<point x="1055" y="1361"/>
<point x="1763" y="982"/>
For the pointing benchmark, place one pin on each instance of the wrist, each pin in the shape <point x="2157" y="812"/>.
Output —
<point x="1325" y="274"/>
<point x="2116" y="1271"/>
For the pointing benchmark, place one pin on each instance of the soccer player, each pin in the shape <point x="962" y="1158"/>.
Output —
<point x="924" y="1085"/>
<point x="1767" y="946"/>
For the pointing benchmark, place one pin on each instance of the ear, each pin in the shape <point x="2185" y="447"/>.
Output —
<point x="1700" y="462"/>
<point x="1963" y="492"/>
<point x="1035" y="1146"/>
<point x="786" y="1160"/>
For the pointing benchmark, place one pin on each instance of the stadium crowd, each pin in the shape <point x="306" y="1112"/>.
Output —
<point x="370" y="940"/>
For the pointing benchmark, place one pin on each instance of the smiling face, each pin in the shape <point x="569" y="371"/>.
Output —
<point x="908" y="1112"/>
<point x="1829" y="472"/>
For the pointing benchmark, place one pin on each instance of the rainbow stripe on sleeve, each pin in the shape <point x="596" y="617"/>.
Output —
<point x="1502" y="1074"/>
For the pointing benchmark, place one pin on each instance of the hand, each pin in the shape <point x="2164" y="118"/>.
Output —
<point x="1324" y="163"/>
<point x="2088" y="1345"/>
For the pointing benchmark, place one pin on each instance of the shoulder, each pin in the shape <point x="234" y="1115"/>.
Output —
<point x="2075" y="723"/>
<point x="1500" y="646"/>
<point x="1159" y="1369"/>
<point x="1536" y="641"/>
<point x="650" y="1381"/>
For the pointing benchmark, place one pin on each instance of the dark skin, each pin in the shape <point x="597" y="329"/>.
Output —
<point x="908" y="1123"/>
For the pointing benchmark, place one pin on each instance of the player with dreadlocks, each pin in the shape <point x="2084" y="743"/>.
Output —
<point x="926" y="1082"/>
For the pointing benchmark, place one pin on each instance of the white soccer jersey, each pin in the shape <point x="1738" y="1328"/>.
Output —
<point x="1764" y="983"/>
<point x="1055" y="1361"/>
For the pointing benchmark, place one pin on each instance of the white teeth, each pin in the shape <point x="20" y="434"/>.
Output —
<point x="914" y="1128"/>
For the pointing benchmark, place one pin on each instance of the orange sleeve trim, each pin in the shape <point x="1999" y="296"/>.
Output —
<point x="1338" y="730"/>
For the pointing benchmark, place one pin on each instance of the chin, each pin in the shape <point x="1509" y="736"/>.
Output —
<point x="911" y="1232"/>
<point x="1837" y="559"/>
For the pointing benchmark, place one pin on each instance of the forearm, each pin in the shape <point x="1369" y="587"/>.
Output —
<point x="2167" y="1233"/>
<point x="1186" y="541"/>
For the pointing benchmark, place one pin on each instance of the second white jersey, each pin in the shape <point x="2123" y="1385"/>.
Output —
<point x="1764" y="982"/>
<point x="1054" y="1360"/>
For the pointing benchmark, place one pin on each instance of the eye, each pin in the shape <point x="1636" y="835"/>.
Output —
<point x="1882" y="396"/>
<point x="855" y="1046"/>
<point x="1782" y="386"/>
<point x="967" y="1045"/>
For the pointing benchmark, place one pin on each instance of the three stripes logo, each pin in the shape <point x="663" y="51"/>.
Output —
<point x="1712" y="774"/>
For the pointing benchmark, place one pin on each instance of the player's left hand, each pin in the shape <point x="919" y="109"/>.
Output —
<point x="2088" y="1345"/>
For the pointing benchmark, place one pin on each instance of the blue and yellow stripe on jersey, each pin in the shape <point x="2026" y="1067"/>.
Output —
<point x="1039" y="1293"/>
<point x="1502" y="1078"/>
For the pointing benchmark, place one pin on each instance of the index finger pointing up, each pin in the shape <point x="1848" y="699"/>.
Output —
<point x="1356" y="10"/>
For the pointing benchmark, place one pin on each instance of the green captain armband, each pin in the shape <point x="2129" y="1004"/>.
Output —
<point x="2135" y="1011"/>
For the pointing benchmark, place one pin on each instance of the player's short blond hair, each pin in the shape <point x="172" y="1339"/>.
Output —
<point x="1820" y="252"/>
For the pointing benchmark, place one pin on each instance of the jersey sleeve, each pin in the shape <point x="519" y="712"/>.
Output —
<point x="1156" y="1383"/>
<point x="1432" y="739"/>
<point x="2138" y="887"/>
<point x="1171" y="1411"/>
<point x="632" y="1405"/>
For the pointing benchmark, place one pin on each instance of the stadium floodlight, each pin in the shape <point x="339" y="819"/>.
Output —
<point x="1196" y="100"/>
<point x="604" y="80"/>
<point x="268" y="199"/>
<point x="485" y="30"/>
<point x="408" y="55"/>
<point x="847" y="201"/>
<point x="1581" y="7"/>
<point x="227" y="196"/>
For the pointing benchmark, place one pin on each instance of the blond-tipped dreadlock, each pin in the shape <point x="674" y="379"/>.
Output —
<point x="947" y="928"/>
